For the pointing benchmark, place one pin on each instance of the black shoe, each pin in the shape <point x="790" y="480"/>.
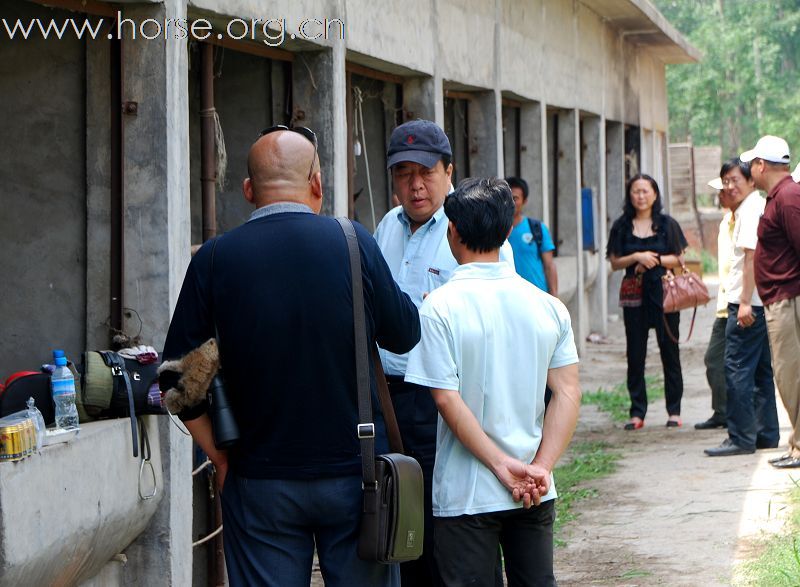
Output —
<point x="762" y="444"/>
<point x="790" y="463"/>
<point x="710" y="424"/>
<point x="785" y="457"/>
<point x="728" y="449"/>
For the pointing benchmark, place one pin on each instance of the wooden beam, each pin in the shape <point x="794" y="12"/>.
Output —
<point x="258" y="49"/>
<point x="373" y="73"/>
<point x="458" y="95"/>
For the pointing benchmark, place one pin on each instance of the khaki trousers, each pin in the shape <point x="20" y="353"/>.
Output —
<point x="783" y="326"/>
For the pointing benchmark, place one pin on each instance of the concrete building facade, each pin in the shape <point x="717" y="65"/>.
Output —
<point x="116" y="149"/>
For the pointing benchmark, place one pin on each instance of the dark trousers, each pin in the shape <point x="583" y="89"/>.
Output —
<point x="752" y="415"/>
<point x="272" y="527"/>
<point x="417" y="418"/>
<point x="466" y="547"/>
<point x="715" y="370"/>
<point x="638" y="322"/>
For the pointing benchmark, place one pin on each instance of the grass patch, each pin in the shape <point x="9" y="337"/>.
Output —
<point x="616" y="402"/>
<point x="779" y="561"/>
<point x="707" y="260"/>
<point x="710" y="265"/>
<point x="590" y="460"/>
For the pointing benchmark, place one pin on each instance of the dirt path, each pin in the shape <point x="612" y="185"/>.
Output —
<point x="669" y="515"/>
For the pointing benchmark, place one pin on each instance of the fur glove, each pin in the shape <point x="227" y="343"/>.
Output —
<point x="184" y="382"/>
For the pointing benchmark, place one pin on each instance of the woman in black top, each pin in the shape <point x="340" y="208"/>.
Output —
<point x="644" y="241"/>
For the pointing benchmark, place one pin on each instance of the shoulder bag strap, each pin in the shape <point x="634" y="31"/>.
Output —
<point x="389" y="417"/>
<point x="118" y="370"/>
<point x="211" y="289"/>
<point x="366" y="427"/>
<point x="669" y="332"/>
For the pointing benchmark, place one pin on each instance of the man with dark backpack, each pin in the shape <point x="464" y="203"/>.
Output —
<point x="532" y="244"/>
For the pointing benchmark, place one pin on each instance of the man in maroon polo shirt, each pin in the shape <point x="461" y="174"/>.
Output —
<point x="777" y="272"/>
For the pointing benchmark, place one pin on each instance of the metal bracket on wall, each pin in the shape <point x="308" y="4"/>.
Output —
<point x="130" y="108"/>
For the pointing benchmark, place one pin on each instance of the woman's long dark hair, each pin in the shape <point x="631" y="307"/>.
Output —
<point x="624" y="222"/>
<point x="660" y="221"/>
<point x="627" y="208"/>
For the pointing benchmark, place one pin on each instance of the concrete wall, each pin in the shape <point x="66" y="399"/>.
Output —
<point x="43" y="196"/>
<point x="249" y="95"/>
<point x="572" y="57"/>
<point x="66" y="511"/>
<point x="377" y="106"/>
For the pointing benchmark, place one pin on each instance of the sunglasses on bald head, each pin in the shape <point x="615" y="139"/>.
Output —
<point x="301" y="130"/>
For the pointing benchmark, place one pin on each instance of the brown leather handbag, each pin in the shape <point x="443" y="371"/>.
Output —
<point x="393" y="514"/>
<point x="681" y="292"/>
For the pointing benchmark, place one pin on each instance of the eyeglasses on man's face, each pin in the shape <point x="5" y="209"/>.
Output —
<point x="301" y="130"/>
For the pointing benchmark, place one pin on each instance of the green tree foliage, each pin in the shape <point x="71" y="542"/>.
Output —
<point x="747" y="83"/>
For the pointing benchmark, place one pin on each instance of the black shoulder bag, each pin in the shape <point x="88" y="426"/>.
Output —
<point x="392" y="517"/>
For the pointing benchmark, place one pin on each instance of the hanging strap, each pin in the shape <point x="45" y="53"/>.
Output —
<point x="146" y="462"/>
<point x="365" y="429"/>
<point x="669" y="332"/>
<point x="118" y="369"/>
<point x="389" y="417"/>
<point x="211" y="289"/>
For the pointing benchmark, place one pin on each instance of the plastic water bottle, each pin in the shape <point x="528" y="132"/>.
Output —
<point x="63" y="386"/>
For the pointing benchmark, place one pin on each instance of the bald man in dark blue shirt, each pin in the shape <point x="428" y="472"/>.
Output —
<point x="279" y="293"/>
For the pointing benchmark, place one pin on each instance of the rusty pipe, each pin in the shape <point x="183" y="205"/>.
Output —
<point x="208" y="165"/>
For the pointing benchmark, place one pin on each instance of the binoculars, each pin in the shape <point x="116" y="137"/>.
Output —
<point x="223" y="422"/>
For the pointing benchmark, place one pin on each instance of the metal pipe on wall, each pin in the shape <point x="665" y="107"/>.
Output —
<point x="117" y="192"/>
<point x="208" y="170"/>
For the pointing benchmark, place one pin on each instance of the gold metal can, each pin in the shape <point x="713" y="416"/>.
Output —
<point x="12" y="442"/>
<point x="30" y="437"/>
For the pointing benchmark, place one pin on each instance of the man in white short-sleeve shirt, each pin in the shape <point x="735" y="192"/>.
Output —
<point x="413" y="240"/>
<point x="490" y="343"/>
<point x="752" y="416"/>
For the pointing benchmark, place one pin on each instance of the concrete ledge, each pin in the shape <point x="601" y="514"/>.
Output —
<point x="66" y="512"/>
<point x="591" y="264"/>
<point x="567" y="267"/>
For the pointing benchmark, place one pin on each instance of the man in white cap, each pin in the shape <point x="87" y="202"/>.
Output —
<point x="777" y="273"/>
<point x="715" y="352"/>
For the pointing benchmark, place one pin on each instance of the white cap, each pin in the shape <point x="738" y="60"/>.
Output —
<point x="715" y="184"/>
<point x="768" y="148"/>
<point x="796" y="174"/>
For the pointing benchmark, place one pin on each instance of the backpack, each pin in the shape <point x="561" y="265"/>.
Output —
<point x="535" y="227"/>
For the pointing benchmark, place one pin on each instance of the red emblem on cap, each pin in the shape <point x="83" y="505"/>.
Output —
<point x="410" y="139"/>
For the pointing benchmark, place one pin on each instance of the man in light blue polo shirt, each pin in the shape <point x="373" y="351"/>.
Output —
<point x="490" y="342"/>
<point x="413" y="239"/>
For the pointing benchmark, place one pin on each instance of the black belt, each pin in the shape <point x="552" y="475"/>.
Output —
<point x="397" y="384"/>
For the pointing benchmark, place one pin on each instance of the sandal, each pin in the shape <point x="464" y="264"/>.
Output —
<point x="674" y="423"/>
<point x="634" y="424"/>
